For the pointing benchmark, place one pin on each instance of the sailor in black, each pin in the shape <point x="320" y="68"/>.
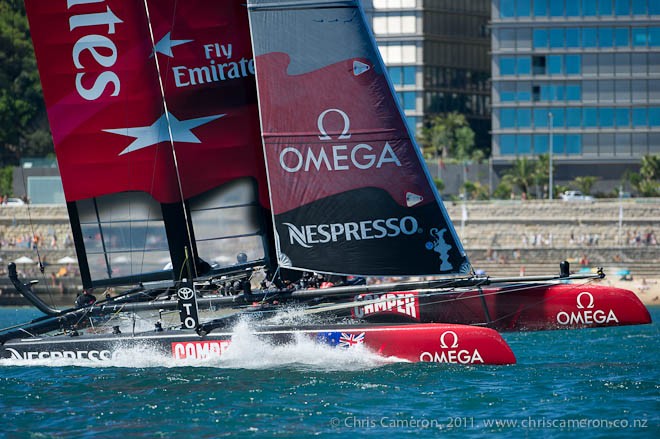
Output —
<point x="85" y="299"/>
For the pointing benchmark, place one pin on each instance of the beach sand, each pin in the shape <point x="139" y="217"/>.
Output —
<point x="647" y="289"/>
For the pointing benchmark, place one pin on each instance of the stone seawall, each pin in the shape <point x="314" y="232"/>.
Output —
<point x="499" y="236"/>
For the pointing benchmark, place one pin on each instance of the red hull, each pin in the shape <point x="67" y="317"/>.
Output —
<point x="517" y="307"/>
<point x="437" y="343"/>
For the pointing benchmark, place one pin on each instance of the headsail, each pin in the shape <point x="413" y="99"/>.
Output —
<point x="116" y="145"/>
<point x="349" y="189"/>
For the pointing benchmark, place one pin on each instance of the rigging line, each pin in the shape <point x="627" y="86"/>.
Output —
<point x="31" y="242"/>
<point x="169" y="131"/>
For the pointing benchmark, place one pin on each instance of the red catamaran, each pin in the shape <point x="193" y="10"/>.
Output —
<point x="201" y="141"/>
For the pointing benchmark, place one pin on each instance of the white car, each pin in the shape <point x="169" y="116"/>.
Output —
<point x="576" y="196"/>
<point x="14" y="202"/>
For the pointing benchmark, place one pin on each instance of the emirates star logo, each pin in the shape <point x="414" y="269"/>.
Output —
<point x="158" y="131"/>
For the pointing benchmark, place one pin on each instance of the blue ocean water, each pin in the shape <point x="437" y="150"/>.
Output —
<point x="597" y="383"/>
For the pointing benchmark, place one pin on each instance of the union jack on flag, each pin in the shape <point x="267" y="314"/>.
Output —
<point x="347" y="340"/>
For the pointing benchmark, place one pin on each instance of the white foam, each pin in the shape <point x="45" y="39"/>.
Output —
<point x="246" y="351"/>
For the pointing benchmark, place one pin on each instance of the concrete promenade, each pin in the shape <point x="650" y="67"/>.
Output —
<point x="502" y="238"/>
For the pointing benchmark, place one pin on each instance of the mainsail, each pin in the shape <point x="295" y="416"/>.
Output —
<point x="150" y="170"/>
<point x="349" y="190"/>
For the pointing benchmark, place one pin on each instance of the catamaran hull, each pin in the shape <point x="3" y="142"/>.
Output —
<point x="438" y="343"/>
<point x="521" y="307"/>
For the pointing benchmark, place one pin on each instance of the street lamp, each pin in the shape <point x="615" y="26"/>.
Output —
<point x="550" y="152"/>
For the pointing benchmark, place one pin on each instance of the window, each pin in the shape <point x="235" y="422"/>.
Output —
<point x="573" y="92"/>
<point x="605" y="7"/>
<point x="524" y="91"/>
<point x="606" y="117"/>
<point x="606" y="91"/>
<point x="589" y="37"/>
<point x="524" y="65"/>
<point x="622" y="91"/>
<point x="654" y="36"/>
<point x="606" y="144"/>
<point x="622" y="63"/>
<point x="573" y="64"/>
<point x="507" y="144"/>
<point x="546" y="92"/>
<point x="605" y="37"/>
<point x="507" y="8"/>
<point x="639" y="117"/>
<point x="573" y="144"/>
<point x="536" y="93"/>
<point x="622" y="116"/>
<point x="572" y="37"/>
<point x="639" y="36"/>
<point x="654" y="90"/>
<point x="556" y="38"/>
<point x="540" y="38"/>
<point x="507" y="66"/>
<point x="638" y="64"/>
<point x="589" y="7"/>
<point x="621" y="37"/>
<point x="590" y="64"/>
<point x="507" y="91"/>
<point x="524" y="144"/>
<point x="557" y="143"/>
<point x="573" y="117"/>
<point x="590" y="91"/>
<point x="639" y="94"/>
<point x="524" y="117"/>
<point x="538" y="65"/>
<point x="507" y="117"/>
<point x="640" y="144"/>
<point x="622" y="7"/>
<point x="507" y="38"/>
<point x="590" y="117"/>
<point x="524" y="38"/>
<point x="409" y="75"/>
<point x="605" y="63"/>
<point x="554" y="64"/>
<point x="654" y="116"/>
<point x="540" y="144"/>
<point x="540" y="8"/>
<point x="541" y="117"/>
<point x="557" y="8"/>
<point x="572" y="8"/>
<point x="558" y="118"/>
<point x="523" y="8"/>
<point x="639" y="7"/>
<point x="654" y="7"/>
<point x="408" y="100"/>
<point x="395" y="75"/>
<point x="622" y="144"/>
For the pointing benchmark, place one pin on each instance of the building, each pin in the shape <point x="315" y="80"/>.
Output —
<point x="436" y="52"/>
<point x="580" y="75"/>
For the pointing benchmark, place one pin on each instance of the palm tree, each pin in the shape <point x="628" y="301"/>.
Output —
<point x="585" y="183"/>
<point x="521" y="174"/>
<point x="448" y="134"/>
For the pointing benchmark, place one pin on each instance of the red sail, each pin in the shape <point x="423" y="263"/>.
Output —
<point x="105" y="104"/>
<point x="150" y="102"/>
<point x="349" y="189"/>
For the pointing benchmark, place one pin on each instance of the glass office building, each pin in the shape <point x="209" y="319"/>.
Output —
<point x="582" y="75"/>
<point x="436" y="52"/>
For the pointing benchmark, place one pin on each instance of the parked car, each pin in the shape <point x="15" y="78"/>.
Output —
<point x="14" y="202"/>
<point x="576" y="196"/>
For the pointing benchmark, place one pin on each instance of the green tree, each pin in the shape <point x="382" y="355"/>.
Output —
<point x="23" y="125"/>
<point x="503" y="191"/>
<point x="475" y="190"/>
<point x="585" y="183"/>
<point x="647" y="182"/>
<point x="542" y="174"/>
<point x="521" y="174"/>
<point x="6" y="177"/>
<point x="448" y="135"/>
